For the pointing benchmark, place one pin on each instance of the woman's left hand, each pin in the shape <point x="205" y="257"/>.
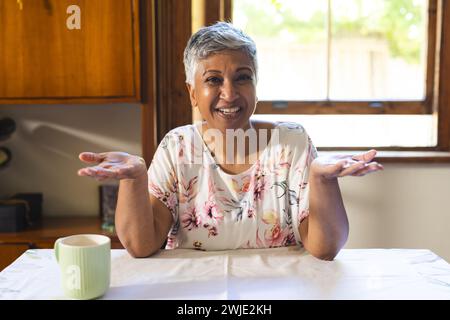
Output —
<point x="331" y="167"/>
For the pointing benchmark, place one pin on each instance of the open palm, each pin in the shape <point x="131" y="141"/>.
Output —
<point x="112" y="165"/>
<point x="335" y="166"/>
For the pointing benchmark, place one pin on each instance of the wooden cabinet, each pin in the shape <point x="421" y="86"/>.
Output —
<point x="43" y="236"/>
<point x="43" y="61"/>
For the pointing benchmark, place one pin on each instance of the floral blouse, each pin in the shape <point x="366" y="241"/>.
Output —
<point x="212" y="210"/>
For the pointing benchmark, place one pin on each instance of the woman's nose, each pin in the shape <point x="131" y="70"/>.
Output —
<point x="228" y="92"/>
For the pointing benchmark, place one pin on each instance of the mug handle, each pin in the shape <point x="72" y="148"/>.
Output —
<point x="56" y="249"/>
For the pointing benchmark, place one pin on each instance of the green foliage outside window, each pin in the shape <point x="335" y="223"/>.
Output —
<point x="399" y="22"/>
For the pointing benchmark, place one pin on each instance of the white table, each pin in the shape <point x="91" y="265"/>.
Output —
<point x="282" y="273"/>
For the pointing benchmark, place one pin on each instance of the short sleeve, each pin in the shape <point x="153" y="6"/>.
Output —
<point x="162" y="175"/>
<point x="304" y="153"/>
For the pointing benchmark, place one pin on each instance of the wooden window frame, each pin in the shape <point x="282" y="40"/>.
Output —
<point x="167" y="103"/>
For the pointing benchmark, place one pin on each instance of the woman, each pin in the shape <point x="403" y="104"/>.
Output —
<point x="286" y="196"/>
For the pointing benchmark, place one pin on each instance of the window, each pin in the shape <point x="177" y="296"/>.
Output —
<point x="340" y="50"/>
<point x="364" y="68"/>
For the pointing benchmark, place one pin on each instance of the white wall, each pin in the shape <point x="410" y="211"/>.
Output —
<point x="405" y="206"/>
<point x="46" y="145"/>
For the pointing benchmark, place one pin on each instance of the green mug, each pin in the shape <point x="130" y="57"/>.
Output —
<point x="85" y="262"/>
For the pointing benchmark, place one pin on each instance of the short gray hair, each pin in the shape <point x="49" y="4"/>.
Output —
<point x="218" y="37"/>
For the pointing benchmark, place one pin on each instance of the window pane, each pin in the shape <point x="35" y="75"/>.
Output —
<point x="291" y="40"/>
<point x="364" y="130"/>
<point x="378" y="49"/>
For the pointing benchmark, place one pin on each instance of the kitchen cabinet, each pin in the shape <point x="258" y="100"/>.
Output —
<point x="45" y="58"/>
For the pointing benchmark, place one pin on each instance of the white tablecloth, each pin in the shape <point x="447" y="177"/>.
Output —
<point x="282" y="273"/>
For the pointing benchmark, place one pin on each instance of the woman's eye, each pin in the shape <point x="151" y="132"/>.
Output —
<point x="244" y="77"/>
<point x="214" y="80"/>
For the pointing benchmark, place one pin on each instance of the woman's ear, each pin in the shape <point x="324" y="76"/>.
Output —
<point x="192" y="95"/>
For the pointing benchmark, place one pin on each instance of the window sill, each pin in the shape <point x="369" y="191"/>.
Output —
<point x="401" y="156"/>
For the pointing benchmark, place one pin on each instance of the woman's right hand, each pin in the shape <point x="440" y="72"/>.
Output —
<point x="112" y="165"/>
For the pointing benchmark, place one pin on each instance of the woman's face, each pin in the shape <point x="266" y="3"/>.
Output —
<point x="225" y="90"/>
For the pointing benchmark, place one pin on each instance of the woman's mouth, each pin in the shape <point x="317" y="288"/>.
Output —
<point x="229" y="113"/>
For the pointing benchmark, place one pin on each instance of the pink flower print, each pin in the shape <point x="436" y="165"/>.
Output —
<point x="190" y="219"/>
<point x="302" y="215"/>
<point x="198" y="245"/>
<point x="181" y="144"/>
<point x="171" y="242"/>
<point x="259" y="188"/>
<point x="155" y="190"/>
<point x="171" y="200"/>
<point x="181" y="153"/>
<point x="212" y="231"/>
<point x="240" y="186"/>
<point x="245" y="184"/>
<point x="172" y="183"/>
<point x="274" y="235"/>
<point x="188" y="190"/>
<point x="251" y="212"/>
<point x="211" y="212"/>
<point x="212" y="188"/>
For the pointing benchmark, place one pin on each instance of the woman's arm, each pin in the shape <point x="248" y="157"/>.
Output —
<point x="325" y="231"/>
<point x="327" y="223"/>
<point x="142" y="221"/>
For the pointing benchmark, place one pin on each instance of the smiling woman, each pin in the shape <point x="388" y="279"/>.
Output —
<point x="286" y="196"/>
